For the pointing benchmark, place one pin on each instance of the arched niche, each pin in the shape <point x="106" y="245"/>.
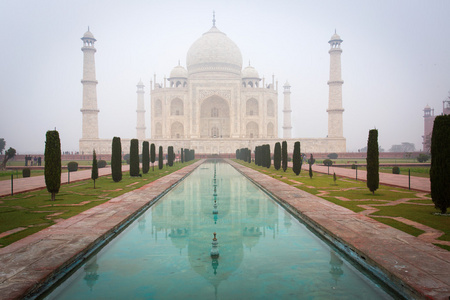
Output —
<point x="252" y="107"/>
<point x="214" y="113"/>
<point x="176" y="107"/>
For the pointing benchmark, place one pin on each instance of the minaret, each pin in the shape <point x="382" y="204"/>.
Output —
<point x="140" y="125"/>
<point x="89" y="109"/>
<point x="287" y="111"/>
<point x="335" y="110"/>
<point x="428" y="121"/>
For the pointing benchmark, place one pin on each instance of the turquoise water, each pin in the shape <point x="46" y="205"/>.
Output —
<point x="265" y="253"/>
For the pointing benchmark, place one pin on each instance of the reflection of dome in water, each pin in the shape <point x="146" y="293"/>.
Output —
<point x="214" y="52"/>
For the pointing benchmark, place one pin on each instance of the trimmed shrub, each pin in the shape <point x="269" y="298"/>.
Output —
<point x="440" y="163"/>
<point x="297" y="165"/>
<point x="284" y="155"/>
<point x="101" y="163"/>
<point x="170" y="156"/>
<point x="373" y="176"/>
<point x="52" y="156"/>
<point x="332" y="156"/>
<point x="152" y="155"/>
<point x="182" y="155"/>
<point x="160" y="158"/>
<point x="423" y="157"/>
<point x="327" y="162"/>
<point x="116" y="159"/>
<point x="134" y="157"/>
<point x="395" y="170"/>
<point x="72" y="166"/>
<point x="145" y="157"/>
<point x="26" y="172"/>
<point x="94" y="170"/>
<point x="277" y="156"/>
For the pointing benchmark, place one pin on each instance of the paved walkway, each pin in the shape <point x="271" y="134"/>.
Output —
<point x="421" y="269"/>
<point x="421" y="184"/>
<point x="27" y="263"/>
<point x="21" y="185"/>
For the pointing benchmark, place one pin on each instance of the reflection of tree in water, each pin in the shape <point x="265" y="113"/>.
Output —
<point x="141" y="224"/>
<point x="91" y="269"/>
<point x="287" y="220"/>
<point x="336" y="264"/>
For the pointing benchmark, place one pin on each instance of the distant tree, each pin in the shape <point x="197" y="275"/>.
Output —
<point x="268" y="156"/>
<point x="152" y="155"/>
<point x="238" y="153"/>
<point x="334" y="177"/>
<point x="277" y="156"/>
<point x="284" y="156"/>
<point x="170" y="155"/>
<point x="404" y="147"/>
<point x="327" y="162"/>
<point x="440" y="163"/>
<point x="372" y="160"/>
<point x="297" y="159"/>
<point x="333" y="156"/>
<point x="2" y="145"/>
<point x="52" y="156"/>
<point x="116" y="159"/>
<point x="94" y="170"/>
<point x="134" y="157"/>
<point x="160" y="158"/>
<point x="145" y="157"/>
<point x="182" y="155"/>
<point x="10" y="153"/>
<point x="311" y="161"/>
<point x="423" y="157"/>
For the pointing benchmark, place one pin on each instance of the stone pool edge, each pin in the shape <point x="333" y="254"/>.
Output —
<point x="414" y="268"/>
<point x="30" y="263"/>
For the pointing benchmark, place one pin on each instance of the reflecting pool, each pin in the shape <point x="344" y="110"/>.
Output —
<point x="264" y="252"/>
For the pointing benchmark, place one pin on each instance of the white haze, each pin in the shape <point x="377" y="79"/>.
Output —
<point x="395" y="61"/>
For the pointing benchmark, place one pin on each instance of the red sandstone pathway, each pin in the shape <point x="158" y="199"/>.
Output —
<point x="420" y="269"/>
<point x="21" y="185"/>
<point x="417" y="183"/>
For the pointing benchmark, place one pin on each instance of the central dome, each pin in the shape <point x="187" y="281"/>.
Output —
<point x="214" y="52"/>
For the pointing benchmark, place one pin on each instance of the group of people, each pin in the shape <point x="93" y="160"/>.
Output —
<point x="34" y="161"/>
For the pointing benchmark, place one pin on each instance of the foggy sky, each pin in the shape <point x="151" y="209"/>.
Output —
<point x="395" y="61"/>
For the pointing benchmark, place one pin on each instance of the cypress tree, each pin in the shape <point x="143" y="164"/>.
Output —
<point x="296" y="157"/>
<point x="440" y="163"/>
<point x="160" y="158"/>
<point x="311" y="161"/>
<point x="237" y="153"/>
<point x="145" y="157"/>
<point x="249" y="153"/>
<point x="94" y="171"/>
<point x="182" y="155"/>
<point x="268" y="156"/>
<point x="373" y="178"/>
<point x="152" y="155"/>
<point x="134" y="157"/>
<point x="52" y="156"/>
<point x="170" y="156"/>
<point x="116" y="159"/>
<point x="277" y="156"/>
<point x="284" y="158"/>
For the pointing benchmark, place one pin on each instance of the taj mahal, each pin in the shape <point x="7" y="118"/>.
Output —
<point x="214" y="105"/>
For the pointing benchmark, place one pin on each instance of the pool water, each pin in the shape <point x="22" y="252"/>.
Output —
<point x="264" y="252"/>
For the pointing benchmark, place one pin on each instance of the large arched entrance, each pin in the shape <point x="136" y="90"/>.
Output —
<point x="214" y="118"/>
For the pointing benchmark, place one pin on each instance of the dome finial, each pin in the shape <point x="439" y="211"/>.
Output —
<point x="214" y="18"/>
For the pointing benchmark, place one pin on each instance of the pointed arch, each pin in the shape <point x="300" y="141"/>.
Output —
<point x="252" y="107"/>
<point x="176" y="107"/>
<point x="176" y="130"/>
<point x="252" y="130"/>
<point x="158" y="108"/>
<point x="270" y="108"/>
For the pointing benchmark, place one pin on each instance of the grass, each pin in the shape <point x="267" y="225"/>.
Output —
<point x="35" y="211"/>
<point x="418" y="207"/>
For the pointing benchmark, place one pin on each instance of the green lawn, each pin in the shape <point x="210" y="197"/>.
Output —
<point x="34" y="210"/>
<point x="419" y="207"/>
